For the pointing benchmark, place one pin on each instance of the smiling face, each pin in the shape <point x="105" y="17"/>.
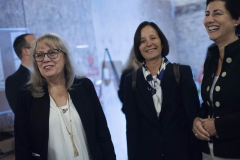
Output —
<point x="219" y="23"/>
<point x="50" y="69"/>
<point x="150" y="46"/>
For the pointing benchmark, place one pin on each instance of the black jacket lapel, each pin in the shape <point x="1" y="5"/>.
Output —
<point x="143" y="85"/>
<point x="166" y="84"/>
<point x="40" y="123"/>
<point x="82" y="106"/>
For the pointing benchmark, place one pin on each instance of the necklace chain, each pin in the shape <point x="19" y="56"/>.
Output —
<point x="70" y="133"/>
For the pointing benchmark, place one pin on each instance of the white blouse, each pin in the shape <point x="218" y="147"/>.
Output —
<point x="210" y="145"/>
<point x="59" y="143"/>
<point x="212" y="88"/>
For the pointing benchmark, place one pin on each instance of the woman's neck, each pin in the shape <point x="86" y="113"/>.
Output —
<point x="154" y="65"/>
<point x="222" y="45"/>
<point x="57" y="90"/>
<point x="58" y="83"/>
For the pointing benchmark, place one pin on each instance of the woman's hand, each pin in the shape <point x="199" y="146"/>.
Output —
<point x="209" y="125"/>
<point x="199" y="130"/>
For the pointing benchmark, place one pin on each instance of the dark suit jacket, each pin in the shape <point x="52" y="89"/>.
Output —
<point x="32" y="123"/>
<point x="14" y="83"/>
<point x="227" y="97"/>
<point x="121" y="86"/>
<point x="170" y="137"/>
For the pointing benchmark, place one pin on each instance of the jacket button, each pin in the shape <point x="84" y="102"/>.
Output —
<point x="217" y="104"/>
<point x="208" y="103"/>
<point x="217" y="88"/>
<point x="208" y="88"/>
<point x="217" y="136"/>
<point x="224" y="74"/>
<point x="217" y="117"/>
<point x="229" y="60"/>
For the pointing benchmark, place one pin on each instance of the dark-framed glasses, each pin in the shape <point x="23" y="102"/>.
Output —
<point x="52" y="54"/>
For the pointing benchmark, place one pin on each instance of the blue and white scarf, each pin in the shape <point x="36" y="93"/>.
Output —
<point x="155" y="84"/>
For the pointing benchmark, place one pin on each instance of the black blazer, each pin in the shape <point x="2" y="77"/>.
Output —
<point x="170" y="137"/>
<point x="121" y="86"/>
<point x="32" y="123"/>
<point x="226" y="101"/>
<point x="14" y="83"/>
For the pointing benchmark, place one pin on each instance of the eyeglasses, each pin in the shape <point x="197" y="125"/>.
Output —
<point x="52" y="54"/>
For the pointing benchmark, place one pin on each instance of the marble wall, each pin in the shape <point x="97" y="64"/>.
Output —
<point x="12" y="14"/>
<point x="192" y="37"/>
<point x="186" y="2"/>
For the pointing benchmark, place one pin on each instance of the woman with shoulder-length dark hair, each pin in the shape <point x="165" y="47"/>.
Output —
<point x="218" y="122"/>
<point x="58" y="116"/>
<point x="159" y="112"/>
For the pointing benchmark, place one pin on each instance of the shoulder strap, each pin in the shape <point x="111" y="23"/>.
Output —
<point x="176" y="73"/>
<point x="134" y="80"/>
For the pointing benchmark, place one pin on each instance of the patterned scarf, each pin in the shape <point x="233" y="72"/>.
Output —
<point x="155" y="84"/>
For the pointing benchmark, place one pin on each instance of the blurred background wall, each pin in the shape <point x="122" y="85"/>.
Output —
<point x="90" y="26"/>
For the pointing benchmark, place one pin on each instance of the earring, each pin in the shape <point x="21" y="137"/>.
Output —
<point x="236" y="25"/>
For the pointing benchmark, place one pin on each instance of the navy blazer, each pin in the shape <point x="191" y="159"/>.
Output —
<point x="32" y="123"/>
<point x="121" y="86"/>
<point x="14" y="83"/>
<point x="170" y="137"/>
<point x="226" y="101"/>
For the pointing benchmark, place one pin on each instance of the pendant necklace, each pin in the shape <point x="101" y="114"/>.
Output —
<point x="64" y="110"/>
<point x="70" y="133"/>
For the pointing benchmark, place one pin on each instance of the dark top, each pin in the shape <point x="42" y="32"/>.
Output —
<point x="121" y="86"/>
<point x="170" y="137"/>
<point x="14" y="83"/>
<point x="209" y="50"/>
<point x="226" y="101"/>
<point x="32" y="123"/>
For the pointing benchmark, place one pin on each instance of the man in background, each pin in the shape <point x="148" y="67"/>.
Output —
<point x="20" y="78"/>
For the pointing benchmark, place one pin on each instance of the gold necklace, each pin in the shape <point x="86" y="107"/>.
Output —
<point x="70" y="133"/>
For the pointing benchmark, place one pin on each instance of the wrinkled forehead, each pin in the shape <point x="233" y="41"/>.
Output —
<point x="148" y="31"/>
<point x="43" y="43"/>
